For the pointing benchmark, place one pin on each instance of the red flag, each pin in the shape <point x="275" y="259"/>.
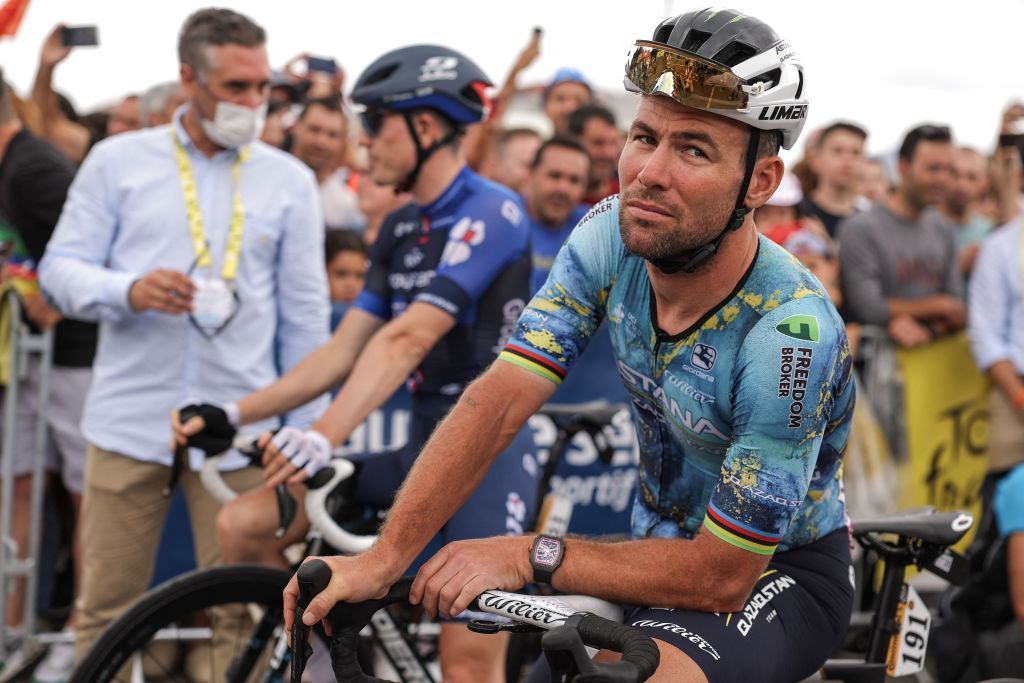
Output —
<point x="10" y="16"/>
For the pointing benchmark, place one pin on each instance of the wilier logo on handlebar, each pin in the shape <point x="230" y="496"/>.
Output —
<point x="523" y="610"/>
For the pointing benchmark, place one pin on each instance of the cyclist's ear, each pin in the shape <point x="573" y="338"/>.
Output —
<point x="765" y="180"/>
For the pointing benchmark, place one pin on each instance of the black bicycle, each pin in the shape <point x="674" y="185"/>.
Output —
<point x="225" y="623"/>
<point x="568" y="632"/>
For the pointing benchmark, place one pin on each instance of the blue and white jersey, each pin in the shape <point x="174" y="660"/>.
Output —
<point x="742" y="419"/>
<point x="467" y="253"/>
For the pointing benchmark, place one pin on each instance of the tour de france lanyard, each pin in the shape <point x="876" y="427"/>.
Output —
<point x="200" y="243"/>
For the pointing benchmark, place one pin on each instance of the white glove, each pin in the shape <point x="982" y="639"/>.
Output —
<point x="306" y="450"/>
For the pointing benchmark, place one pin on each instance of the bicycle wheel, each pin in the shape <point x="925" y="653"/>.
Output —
<point x="218" y="624"/>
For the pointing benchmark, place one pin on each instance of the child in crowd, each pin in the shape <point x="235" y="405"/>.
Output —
<point x="346" y="259"/>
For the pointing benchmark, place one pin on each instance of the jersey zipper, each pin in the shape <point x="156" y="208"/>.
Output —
<point x="664" y="438"/>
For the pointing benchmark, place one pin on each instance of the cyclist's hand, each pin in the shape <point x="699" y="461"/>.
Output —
<point x="449" y="582"/>
<point x="295" y="455"/>
<point x="353" y="579"/>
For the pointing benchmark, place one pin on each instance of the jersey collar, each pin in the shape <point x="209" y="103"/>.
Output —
<point x="450" y="198"/>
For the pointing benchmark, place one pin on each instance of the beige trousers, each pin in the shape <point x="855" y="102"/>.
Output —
<point x="123" y="513"/>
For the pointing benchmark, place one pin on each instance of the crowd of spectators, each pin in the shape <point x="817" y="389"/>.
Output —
<point x="894" y="240"/>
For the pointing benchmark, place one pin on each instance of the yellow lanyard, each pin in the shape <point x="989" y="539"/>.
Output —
<point x="200" y="243"/>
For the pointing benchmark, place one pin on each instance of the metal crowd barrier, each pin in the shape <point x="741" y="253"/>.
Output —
<point x="882" y="381"/>
<point x="26" y="348"/>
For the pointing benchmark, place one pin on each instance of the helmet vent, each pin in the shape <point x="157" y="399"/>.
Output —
<point x="769" y="78"/>
<point x="380" y="75"/>
<point x="800" y="85"/>
<point x="662" y="33"/>
<point x="694" y="40"/>
<point x="734" y="53"/>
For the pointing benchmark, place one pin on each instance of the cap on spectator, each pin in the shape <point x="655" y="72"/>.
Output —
<point x="788" y="193"/>
<point x="567" y="75"/>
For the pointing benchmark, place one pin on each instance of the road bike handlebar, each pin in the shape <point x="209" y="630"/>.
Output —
<point x="564" y="643"/>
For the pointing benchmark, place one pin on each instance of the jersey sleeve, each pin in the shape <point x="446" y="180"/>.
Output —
<point x="1009" y="502"/>
<point x="375" y="297"/>
<point x="554" y="330"/>
<point x="792" y="380"/>
<point x="487" y="235"/>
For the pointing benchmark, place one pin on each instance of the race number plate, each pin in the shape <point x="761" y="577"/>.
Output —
<point x="907" y="648"/>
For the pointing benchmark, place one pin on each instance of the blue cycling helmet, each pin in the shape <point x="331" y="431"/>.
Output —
<point x="425" y="77"/>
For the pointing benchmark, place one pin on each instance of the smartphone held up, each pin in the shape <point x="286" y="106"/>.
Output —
<point x="79" y="36"/>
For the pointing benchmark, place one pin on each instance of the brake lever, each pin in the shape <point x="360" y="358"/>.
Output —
<point x="286" y="509"/>
<point x="311" y="579"/>
<point x="489" y="627"/>
<point x="566" y="654"/>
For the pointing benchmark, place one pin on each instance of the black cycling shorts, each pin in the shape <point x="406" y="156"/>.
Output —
<point x="794" y="619"/>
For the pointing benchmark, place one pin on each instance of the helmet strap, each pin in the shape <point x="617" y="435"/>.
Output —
<point x="691" y="259"/>
<point x="422" y="153"/>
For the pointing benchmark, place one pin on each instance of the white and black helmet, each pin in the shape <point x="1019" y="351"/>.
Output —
<point x="725" y="62"/>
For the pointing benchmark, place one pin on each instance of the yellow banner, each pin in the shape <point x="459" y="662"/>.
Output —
<point x="947" y="422"/>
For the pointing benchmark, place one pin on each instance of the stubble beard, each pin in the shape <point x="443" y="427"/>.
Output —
<point x="656" y="243"/>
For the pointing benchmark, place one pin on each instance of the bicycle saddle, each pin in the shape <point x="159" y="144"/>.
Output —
<point x="598" y="413"/>
<point x="937" y="528"/>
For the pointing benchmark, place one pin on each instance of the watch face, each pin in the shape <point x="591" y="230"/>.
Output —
<point x="547" y="552"/>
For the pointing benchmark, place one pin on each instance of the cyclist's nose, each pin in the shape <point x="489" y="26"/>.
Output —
<point x="655" y="171"/>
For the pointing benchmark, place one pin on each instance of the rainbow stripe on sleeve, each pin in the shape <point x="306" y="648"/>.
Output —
<point x="533" y="361"/>
<point x="739" y="535"/>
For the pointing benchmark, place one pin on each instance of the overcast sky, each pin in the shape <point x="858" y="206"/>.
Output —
<point x="885" y="64"/>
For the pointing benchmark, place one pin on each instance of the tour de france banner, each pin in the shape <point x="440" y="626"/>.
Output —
<point x="947" y="422"/>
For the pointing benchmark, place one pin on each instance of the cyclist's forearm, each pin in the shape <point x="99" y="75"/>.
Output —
<point x="451" y="465"/>
<point x="382" y="368"/>
<point x="309" y="378"/>
<point x="673" y="573"/>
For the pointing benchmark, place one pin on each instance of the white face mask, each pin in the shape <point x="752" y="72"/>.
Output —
<point x="234" y="125"/>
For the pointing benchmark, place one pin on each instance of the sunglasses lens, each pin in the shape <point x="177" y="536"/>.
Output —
<point x="655" y="69"/>
<point x="372" y="120"/>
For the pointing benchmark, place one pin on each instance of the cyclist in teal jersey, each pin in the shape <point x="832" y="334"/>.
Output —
<point x="739" y="373"/>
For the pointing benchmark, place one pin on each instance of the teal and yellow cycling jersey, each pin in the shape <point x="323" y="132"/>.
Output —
<point x="742" y="419"/>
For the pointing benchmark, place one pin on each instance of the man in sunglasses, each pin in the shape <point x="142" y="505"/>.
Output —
<point x="449" y="276"/>
<point x="737" y="366"/>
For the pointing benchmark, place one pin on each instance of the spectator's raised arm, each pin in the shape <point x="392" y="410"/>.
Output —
<point x="70" y="137"/>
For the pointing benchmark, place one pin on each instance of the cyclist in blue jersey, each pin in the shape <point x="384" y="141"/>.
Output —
<point x="448" y="277"/>
<point x="737" y="366"/>
<point x="551" y="195"/>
